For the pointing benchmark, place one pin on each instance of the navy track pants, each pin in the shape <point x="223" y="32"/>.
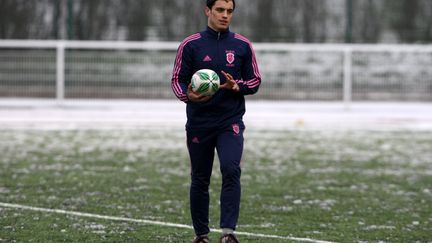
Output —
<point x="228" y="143"/>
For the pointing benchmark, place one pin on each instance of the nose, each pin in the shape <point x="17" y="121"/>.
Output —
<point x="225" y="14"/>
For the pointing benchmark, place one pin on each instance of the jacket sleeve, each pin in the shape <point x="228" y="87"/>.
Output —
<point x="182" y="72"/>
<point x="251" y="77"/>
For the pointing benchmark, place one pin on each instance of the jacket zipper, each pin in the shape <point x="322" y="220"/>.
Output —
<point x="217" y="51"/>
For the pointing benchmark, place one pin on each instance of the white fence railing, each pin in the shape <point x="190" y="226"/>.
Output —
<point x="94" y="69"/>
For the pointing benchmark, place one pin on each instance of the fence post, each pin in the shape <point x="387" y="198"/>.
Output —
<point x="347" y="78"/>
<point x="60" y="72"/>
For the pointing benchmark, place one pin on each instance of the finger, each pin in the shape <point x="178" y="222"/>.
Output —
<point x="189" y="89"/>
<point x="236" y="87"/>
<point x="203" y="98"/>
<point x="224" y="86"/>
<point x="200" y="96"/>
<point x="227" y="75"/>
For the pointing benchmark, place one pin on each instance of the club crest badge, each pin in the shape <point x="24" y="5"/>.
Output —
<point x="230" y="57"/>
<point x="236" y="129"/>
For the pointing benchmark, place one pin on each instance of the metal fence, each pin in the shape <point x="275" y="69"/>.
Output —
<point x="142" y="70"/>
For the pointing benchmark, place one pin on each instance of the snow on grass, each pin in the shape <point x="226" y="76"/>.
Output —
<point x="295" y="182"/>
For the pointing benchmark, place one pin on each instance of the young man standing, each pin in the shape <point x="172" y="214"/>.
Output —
<point x="215" y="122"/>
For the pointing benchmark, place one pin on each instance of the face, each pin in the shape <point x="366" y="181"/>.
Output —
<point x="219" y="16"/>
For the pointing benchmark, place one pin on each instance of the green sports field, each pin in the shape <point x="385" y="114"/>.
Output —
<point x="298" y="186"/>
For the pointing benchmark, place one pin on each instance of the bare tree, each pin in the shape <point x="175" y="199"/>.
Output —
<point x="263" y="22"/>
<point x="368" y="23"/>
<point x="137" y="17"/>
<point x="260" y="20"/>
<point x="426" y="20"/>
<point x="90" y="19"/>
<point x="15" y="18"/>
<point x="313" y="21"/>
<point x="402" y="18"/>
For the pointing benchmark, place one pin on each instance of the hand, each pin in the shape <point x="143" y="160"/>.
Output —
<point x="230" y="83"/>
<point x="195" y="97"/>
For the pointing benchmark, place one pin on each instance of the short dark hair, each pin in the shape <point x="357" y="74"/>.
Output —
<point x="211" y="3"/>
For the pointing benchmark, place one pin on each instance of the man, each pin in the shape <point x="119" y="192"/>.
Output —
<point x="215" y="122"/>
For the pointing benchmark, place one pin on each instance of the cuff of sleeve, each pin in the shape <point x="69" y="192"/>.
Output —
<point x="241" y="85"/>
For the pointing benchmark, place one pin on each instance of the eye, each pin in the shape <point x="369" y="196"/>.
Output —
<point x="222" y="10"/>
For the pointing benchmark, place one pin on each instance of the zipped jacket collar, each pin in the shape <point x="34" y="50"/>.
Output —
<point x="217" y="35"/>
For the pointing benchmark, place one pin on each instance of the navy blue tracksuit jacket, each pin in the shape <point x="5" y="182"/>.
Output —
<point x="217" y="123"/>
<point x="218" y="51"/>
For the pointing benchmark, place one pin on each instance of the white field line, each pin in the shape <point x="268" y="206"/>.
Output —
<point x="151" y="222"/>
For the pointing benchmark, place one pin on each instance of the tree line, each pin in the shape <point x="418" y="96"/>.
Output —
<point x="307" y="21"/>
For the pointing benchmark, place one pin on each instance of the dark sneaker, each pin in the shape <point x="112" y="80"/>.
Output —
<point x="201" y="239"/>
<point x="229" y="238"/>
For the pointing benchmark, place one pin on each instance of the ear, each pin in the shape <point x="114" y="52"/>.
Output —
<point x="207" y="11"/>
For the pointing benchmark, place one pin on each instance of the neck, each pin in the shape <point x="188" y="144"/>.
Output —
<point x="218" y="30"/>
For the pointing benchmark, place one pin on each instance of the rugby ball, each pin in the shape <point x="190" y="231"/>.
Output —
<point x="205" y="81"/>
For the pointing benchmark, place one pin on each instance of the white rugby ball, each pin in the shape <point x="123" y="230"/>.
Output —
<point x="205" y="81"/>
